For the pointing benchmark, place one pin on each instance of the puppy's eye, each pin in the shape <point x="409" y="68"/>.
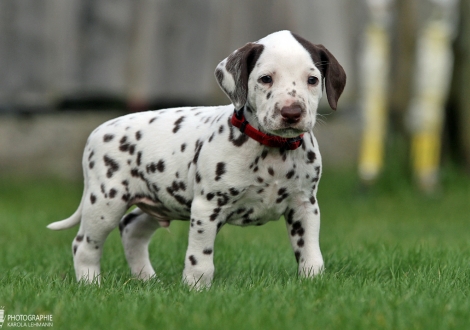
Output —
<point x="266" y="79"/>
<point x="312" y="80"/>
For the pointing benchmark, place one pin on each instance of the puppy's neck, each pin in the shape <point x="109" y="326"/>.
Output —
<point x="250" y="116"/>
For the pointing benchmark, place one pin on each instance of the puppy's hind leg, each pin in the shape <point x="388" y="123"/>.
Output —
<point x="136" y="230"/>
<point x="100" y="216"/>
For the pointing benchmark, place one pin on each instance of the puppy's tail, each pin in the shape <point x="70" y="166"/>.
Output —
<point x="71" y="221"/>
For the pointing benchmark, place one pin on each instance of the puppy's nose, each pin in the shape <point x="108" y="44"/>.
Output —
<point x="292" y="113"/>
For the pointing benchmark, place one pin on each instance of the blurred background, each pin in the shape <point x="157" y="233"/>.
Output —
<point x="66" y="66"/>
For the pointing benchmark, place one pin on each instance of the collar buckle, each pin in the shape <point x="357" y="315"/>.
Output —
<point x="294" y="143"/>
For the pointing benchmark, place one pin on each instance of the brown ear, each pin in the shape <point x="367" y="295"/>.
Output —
<point x="233" y="72"/>
<point x="332" y="71"/>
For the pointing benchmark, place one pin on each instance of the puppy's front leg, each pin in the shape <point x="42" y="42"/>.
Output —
<point x="303" y="226"/>
<point x="199" y="264"/>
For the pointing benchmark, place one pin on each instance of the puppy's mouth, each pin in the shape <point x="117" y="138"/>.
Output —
<point x="288" y="132"/>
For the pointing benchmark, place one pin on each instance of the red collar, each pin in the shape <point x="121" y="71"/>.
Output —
<point x="239" y="121"/>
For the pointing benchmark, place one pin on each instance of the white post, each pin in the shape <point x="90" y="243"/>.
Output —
<point x="434" y="60"/>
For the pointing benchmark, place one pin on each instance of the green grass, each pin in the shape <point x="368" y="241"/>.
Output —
<point x="394" y="260"/>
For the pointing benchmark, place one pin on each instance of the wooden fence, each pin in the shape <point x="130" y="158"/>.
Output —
<point x="144" y="50"/>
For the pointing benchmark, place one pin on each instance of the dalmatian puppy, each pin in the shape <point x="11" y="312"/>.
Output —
<point x="244" y="164"/>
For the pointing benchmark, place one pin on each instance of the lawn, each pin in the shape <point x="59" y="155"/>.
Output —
<point x="394" y="260"/>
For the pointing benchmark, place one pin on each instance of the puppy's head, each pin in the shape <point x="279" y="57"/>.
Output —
<point x="281" y="78"/>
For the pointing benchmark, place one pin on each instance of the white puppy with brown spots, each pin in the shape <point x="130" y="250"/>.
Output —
<point x="242" y="164"/>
